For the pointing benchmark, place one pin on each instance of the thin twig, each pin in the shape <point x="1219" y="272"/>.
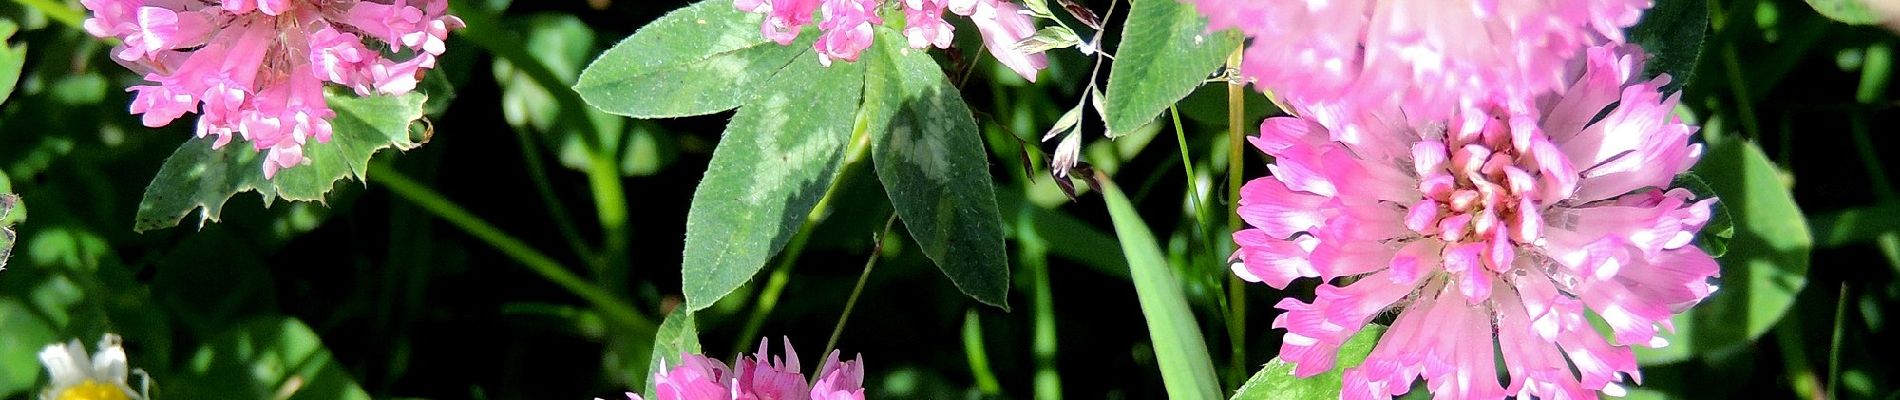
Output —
<point x="603" y="172"/>
<point x="531" y="157"/>
<point x="1834" y="353"/>
<point x="1187" y="165"/>
<point x="434" y="203"/>
<point x="852" y="302"/>
<point x="980" y="51"/>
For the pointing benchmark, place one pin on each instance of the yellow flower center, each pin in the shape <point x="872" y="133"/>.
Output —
<point x="92" y="390"/>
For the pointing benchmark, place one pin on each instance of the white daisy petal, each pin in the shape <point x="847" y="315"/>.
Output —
<point x="109" y="365"/>
<point x="67" y="364"/>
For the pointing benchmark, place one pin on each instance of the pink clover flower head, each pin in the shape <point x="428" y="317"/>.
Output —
<point x="257" y="68"/>
<point x="766" y="378"/>
<point x="1371" y="55"/>
<point x="840" y="380"/>
<point x="783" y="18"/>
<point x="846" y="30"/>
<point x="924" y="25"/>
<point x="847" y="27"/>
<point x="1488" y="229"/>
<point x="758" y="376"/>
<point x="696" y="378"/>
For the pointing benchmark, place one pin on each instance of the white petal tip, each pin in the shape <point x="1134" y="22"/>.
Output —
<point x="1615" y="390"/>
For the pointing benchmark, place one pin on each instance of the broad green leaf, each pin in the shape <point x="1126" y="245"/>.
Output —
<point x="25" y="335"/>
<point x="777" y="157"/>
<point x="1276" y="380"/>
<point x="12" y="58"/>
<point x="678" y="334"/>
<point x="1851" y="12"/>
<point x="930" y="158"/>
<point x="199" y="177"/>
<point x="1166" y="51"/>
<point x="1672" y="33"/>
<point x="1185" y="368"/>
<point x="1767" y="260"/>
<point x="701" y="59"/>
<point x="266" y="358"/>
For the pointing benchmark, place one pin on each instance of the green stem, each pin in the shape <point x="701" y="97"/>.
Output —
<point x="1744" y="107"/>
<point x="1870" y="157"/>
<point x="610" y="203"/>
<point x="1732" y="64"/>
<point x="967" y="72"/>
<point x="434" y="203"/>
<point x="1875" y="73"/>
<point x="1795" y="358"/>
<point x="1873" y="85"/>
<point x="877" y="251"/>
<point x="531" y="156"/>
<point x="58" y="12"/>
<point x="1236" y="139"/>
<point x="1236" y="288"/>
<point x="1035" y="256"/>
<point x="978" y="355"/>
<point x="603" y="173"/>
<point x="1187" y="166"/>
<point x="1834" y="352"/>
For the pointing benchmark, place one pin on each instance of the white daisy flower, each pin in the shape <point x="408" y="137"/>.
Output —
<point x="76" y="376"/>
